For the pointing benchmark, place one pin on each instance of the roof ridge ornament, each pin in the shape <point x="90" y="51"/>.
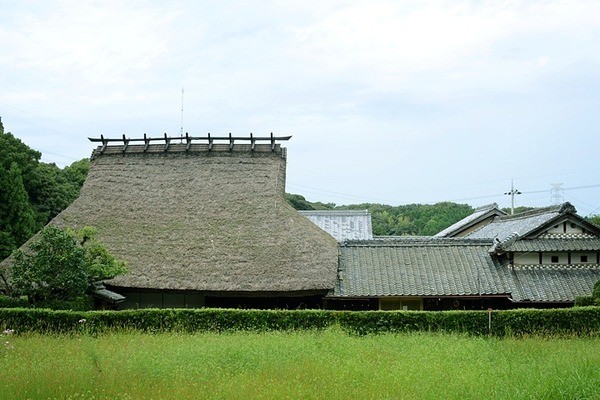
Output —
<point x="189" y="140"/>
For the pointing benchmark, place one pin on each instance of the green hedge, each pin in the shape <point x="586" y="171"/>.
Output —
<point x="572" y="321"/>
<point x="584" y="301"/>
<point x="9" y="302"/>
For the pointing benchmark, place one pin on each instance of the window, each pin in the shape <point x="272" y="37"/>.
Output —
<point x="573" y="225"/>
<point x="583" y="259"/>
<point x="554" y="259"/>
<point x="399" y="304"/>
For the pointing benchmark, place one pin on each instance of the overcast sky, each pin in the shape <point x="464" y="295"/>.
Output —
<point x="393" y="102"/>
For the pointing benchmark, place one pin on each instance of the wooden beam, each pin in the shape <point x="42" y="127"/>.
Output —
<point x="125" y="144"/>
<point x="102" y="139"/>
<point x="104" y="144"/>
<point x="167" y="142"/>
<point x="146" y="140"/>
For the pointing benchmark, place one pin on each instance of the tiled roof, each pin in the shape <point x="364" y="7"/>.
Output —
<point x="428" y="266"/>
<point x="550" y="283"/>
<point x="559" y="244"/>
<point x="343" y="224"/>
<point x="478" y="215"/>
<point x="419" y="267"/>
<point x="100" y="291"/>
<point x="521" y="224"/>
<point x="566" y="236"/>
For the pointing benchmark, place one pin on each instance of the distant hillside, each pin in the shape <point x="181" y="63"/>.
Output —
<point x="410" y="219"/>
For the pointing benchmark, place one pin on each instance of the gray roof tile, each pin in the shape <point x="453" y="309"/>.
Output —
<point x="478" y="215"/>
<point x="559" y="244"/>
<point x="442" y="267"/>
<point x="503" y="227"/>
<point x="342" y="224"/>
<point x="418" y="266"/>
<point x="549" y="283"/>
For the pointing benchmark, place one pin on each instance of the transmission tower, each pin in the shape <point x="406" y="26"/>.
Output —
<point x="556" y="193"/>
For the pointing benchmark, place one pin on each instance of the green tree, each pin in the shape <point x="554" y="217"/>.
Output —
<point x="50" y="192"/>
<point x="300" y="203"/>
<point x="17" y="217"/>
<point x="76" y="173"/>
<point x="52" y="268"/>
<point x="47" y="190"/>
<point x="100" y="264"/>
<point x="594" y="219"/>
<point x="13" y="150"/>
<point x="61" y="265"/>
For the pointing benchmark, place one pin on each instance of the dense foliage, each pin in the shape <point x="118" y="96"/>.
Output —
<point x="410" y="219"/>
<point x="31" y="192"/>
<point x="61" y="266"/>
<point x="570" y="321"/>
<point x="594" y="219"/>
<point x="593" y="300"/>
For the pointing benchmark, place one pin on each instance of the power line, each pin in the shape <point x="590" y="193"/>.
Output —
<point x="488" y="196"/>
<point x="512" y="194"/>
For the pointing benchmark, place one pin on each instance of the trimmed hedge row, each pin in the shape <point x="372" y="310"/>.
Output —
<point x="580" y="321"/>
<point x="584" y="301"/>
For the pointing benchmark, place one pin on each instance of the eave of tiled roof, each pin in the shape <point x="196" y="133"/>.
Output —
<point x="559" y="244"/>
<point x="552" y="283"/>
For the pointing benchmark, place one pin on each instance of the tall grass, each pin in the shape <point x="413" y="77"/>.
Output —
<point x="297" y="365"/>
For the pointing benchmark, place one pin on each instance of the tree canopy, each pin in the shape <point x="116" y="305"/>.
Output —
<point x="61" y="265"/>
<point x="31" y="192"/>
<point x="410" y="219"/>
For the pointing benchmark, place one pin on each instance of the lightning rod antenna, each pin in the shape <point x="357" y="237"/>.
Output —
<point x="181" y="131"/>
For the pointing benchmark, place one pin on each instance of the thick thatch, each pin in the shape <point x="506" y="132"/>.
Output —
<point x="202" y="220"/>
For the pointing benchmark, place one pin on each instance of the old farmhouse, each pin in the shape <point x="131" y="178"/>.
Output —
<point x="541" y="258"/>
<point x="203" y="222"/>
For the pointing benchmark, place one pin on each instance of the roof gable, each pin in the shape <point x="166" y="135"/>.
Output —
<point x="343" y="224"/>
<point x="531" y="223"/>
<point x="480" y="217"/>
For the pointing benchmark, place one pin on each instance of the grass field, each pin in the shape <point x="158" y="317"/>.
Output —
<point x="297" y="365"/>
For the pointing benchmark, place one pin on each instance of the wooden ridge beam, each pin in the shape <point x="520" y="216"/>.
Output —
<point x="189" y="140"/>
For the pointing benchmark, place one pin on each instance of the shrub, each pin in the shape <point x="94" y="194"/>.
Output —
<point x="56" y="270"/>
<point x="584" y="301"/>
<point x="11" y="302"/>
<point x="573" y="321"/>
<point x="80" y="303"/>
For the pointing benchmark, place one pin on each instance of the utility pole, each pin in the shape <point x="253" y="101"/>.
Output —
<point x="512" y="194"/>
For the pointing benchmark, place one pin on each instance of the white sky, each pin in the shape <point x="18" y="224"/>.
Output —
<point x="394" y="102"/>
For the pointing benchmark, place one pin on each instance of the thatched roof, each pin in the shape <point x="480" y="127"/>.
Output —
<point x="194" y="219"/>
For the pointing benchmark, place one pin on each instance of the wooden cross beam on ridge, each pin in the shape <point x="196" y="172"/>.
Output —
<point x="146" y="140"/>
